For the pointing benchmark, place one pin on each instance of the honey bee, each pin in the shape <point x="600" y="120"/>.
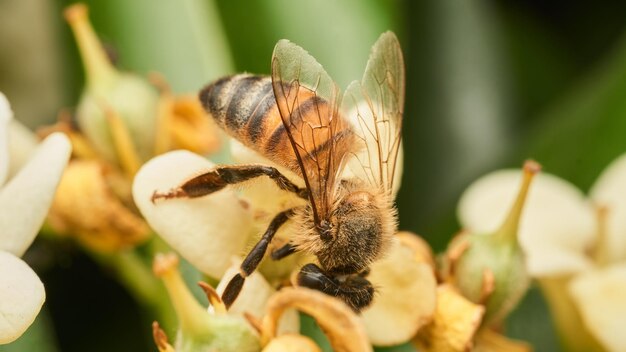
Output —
<point x="344" y="148"/>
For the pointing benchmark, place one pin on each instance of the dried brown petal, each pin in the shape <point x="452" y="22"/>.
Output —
<point x="183" y="123"/>
<point x="81" y="147"/>
<point x="291" y="343"/>
<point x="405" y="296"/>
<point x="454" y="324"/>
<point x="103" y="223"/>
<point x="343" y="328"/>
<point x="160" y="338"/>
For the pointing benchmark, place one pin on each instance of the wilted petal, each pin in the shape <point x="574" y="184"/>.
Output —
<point x="601" y="298"/>
<point x="610" y="191"/>
<point x="343" y="328"/>
<point x="104" y="223"/>
<point x="491" y="341"/>
<point x="25" y="200"/>
<point x="454" y="324"/>
<point x="208" y="230"/>
<point x="253" y="299"/>
<point x="556" y="214"/>
<point x="291" y="343"/>
<point x="405" y="297"/>
<point x="21" y="297"/>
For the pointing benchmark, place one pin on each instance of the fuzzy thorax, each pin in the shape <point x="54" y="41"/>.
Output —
<point x="360" y="223"/>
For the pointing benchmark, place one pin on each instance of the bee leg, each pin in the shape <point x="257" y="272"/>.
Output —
<point x="253" y="258"/>
<point x="221" y="177"/>
<point x="356" y="291"/>
<point x="284" y="251"/>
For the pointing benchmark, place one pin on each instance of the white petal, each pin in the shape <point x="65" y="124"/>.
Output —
<point x="556" y="213"/>
<point x="207" y="231"/>
<point x="253" y="299"/>
<point x="555" y="261"/>
<point x="601" y="299"/>
<point x="21" y="296"/>
<point x="405" y="298"/>
<point x="610" y="190"/>
<point x="5" y="117"/>
<point x="22" y="145"/>
<point x="25" y="200"/>
<point x="263" y="189"/>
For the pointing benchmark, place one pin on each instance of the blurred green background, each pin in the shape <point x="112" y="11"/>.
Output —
<point x="489" y="84"/>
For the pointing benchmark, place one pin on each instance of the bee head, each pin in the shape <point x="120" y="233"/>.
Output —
<point x="356" y="233"/>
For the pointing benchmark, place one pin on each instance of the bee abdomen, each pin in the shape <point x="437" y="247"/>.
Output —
<point x="243" y="105"/>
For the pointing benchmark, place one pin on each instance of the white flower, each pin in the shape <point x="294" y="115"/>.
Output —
<point x="24" y="202"/>
<point x="578" y="256"/>
<point x="207" y="231"/>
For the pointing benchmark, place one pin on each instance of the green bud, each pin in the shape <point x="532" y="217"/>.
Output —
<point x="490" y="268"/>
<point x="110" y="93"/>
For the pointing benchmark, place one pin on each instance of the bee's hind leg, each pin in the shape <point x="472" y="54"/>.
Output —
<point x="253" y="258"/>
<point x="221" y="177"/>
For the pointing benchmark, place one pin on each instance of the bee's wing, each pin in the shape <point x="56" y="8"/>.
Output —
<point x="308" y="101"/>
<point x="374" y="108"/>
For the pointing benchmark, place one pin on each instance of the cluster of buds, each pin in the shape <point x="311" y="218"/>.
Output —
<point x="121" y="121"/>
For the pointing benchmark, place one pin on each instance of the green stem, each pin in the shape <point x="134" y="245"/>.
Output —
<point x="137" y="277"/>
<point x="508" y="229"/>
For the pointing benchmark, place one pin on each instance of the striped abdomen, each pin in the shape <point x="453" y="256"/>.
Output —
<point x="245" y="107"/>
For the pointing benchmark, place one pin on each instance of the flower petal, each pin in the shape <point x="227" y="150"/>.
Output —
<point x="21" y="296"/>
<point x="6" y="116"/>
<point x="405" y="297"/>
<point x="600" y="295"/>
<point x="610" y="191"/>
<point x="253" y="299"/>
<point x="556" y="214"/>
<point x="291" y="343"/>
<point x="207" y="231"/>
<point x="490" y="341"/>
<point x="25" y="200"/>
<point x="454" y="324"/>
<point x="22" y="145"/>
<point x="263" y="188"/>
<point x="105" y="223"/>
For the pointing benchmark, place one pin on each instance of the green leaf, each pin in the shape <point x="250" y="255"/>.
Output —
<point x="183" y="40"/>
<point x="456" y="119"/>
<point x="579" y="136"/>
<point x="339" y="34"/>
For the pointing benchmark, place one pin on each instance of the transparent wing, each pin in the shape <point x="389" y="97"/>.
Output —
<point x="374" y="107"/>
<point x="307" y="99"/>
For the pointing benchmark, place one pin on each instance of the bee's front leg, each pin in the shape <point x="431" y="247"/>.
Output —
<point x="221" y="177"/>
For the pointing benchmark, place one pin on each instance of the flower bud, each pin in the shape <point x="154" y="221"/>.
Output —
<point x="117" y="110"/>
<point x="490" y="269"/>
<point x="199" y="330"/>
